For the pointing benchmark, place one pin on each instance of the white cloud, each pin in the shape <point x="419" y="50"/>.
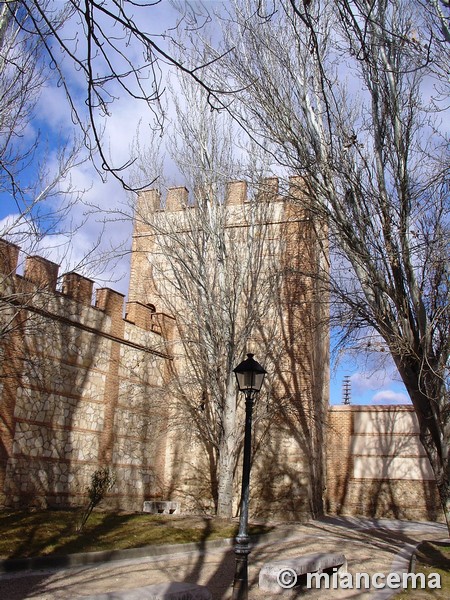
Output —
<point x="364" y="381"/>
<point x="87" y="242"/>
<point x="112" y="217"/>
<point x="390" y="397"/>
<point x="53" y="109"/>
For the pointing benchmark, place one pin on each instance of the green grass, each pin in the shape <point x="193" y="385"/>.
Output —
<point x="27" y="534"/>
<point x="431" y="557"/>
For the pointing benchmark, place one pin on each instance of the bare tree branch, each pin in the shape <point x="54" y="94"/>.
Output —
<point x="348" y="95"/>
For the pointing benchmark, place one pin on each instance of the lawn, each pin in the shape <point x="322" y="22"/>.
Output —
<point x="431" y="557"/>
<point x="27" y="534"/>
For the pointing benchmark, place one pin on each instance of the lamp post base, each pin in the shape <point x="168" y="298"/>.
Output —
<point x="240" y="584"/>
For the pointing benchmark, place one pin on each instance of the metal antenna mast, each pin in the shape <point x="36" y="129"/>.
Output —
<point x="346" y="390"/>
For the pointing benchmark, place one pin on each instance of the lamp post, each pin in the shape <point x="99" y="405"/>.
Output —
<point x="250" y="376"/>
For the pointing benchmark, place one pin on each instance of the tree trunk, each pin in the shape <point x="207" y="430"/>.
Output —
<point x="440" y="465"/>
<point x="431" y="407"/>
<point x="227" y="456"/>
<point x="316" y="484"/>
<point x="225" y="487"/>
<point x="444" y="494"/>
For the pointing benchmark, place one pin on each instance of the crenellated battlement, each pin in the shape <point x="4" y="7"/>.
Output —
<point x="83" y="374"/>
<point x="237" y="194"/>
<point x="273" y="206"/>
<point x="42" y="275"/>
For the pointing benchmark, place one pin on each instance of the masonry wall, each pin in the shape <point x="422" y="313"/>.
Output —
<point x="376" y="465"/>
<point x="84" y="384"/>
<point x="292" y="342"/>
<point x="81" y="387"/>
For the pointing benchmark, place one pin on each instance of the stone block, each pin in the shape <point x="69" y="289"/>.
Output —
<point x="9" y="257"/>
<point x="140" y="314"/>
<point x="147" y="202"/>
<point x="42" y="272"/>
<point x="78" y="287"/>
<point x="162" y="507"/>
<point x="237" y="192"/>
<point x="309" y="563"/>
<point x="172" y="590"/>
<point x="110" y="301"/>
<point x="177" y="198"/>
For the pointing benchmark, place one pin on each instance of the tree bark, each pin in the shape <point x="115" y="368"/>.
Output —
<point x="431" y="406"/>
<point x="227" y="454"/>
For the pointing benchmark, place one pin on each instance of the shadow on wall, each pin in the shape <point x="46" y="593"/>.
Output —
<point x="292" y="451"/>
<point x="286" y="322"/>
<point x="383" y="469"/>
<point x="62" y="363"/>
<point x="45" y="373"/>
<point x="279" y="483"/>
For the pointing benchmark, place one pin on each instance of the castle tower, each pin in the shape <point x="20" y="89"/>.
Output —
<point x="208" y="258"/>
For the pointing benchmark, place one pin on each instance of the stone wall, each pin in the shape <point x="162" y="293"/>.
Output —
<point x="291" y="338"/>
<point x="85" y="384"/>
<point x="376" y="465"/>
<point x="80" y="387"/>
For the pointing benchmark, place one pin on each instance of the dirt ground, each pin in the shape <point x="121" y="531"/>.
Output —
<point x="369" y="546"/>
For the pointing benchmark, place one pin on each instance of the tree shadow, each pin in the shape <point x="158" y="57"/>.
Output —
<point x="293" y="456"/>
<point x="430" y="553"/>
<point x="45" y="375"/>
<point x="201" y="567"/>
<point x="377" y="467"/>
<point x="81" y="388"/>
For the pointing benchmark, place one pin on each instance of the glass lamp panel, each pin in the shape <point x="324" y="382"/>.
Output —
<point x="258" y="381"/>
<point x="244" y="381"/>
<point x="250" y="380"/>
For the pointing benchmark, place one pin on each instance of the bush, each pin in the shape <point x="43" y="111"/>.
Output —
<point x="102" y="481"/>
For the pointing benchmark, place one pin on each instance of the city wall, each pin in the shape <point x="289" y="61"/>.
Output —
<point x="84" y="380"/>
<point x="81" y="387"/>
<point x="376" y="465"/>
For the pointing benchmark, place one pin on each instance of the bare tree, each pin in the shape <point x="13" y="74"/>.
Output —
<point x="42" y="195"/>
<point x="350" y="95"/>
<point x="439" y="14"/>
<point x="35" y="180"/>
<point x="219" y="263"/>
<point x="207" y="269"/>
<point x="110" y="49"/>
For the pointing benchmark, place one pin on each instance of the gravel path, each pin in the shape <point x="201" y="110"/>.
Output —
<point x="369" y="546"/>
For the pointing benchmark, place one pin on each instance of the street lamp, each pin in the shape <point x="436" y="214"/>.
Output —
<point x="250" y="376"/>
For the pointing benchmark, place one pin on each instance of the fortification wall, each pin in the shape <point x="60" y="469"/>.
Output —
<point x="291" y="338"/>
<point x="85" y="383"/>
<point x="376" y="465"/>
<point x="81" y="386"/>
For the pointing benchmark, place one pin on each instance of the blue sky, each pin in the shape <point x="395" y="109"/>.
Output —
<point x="373" y="379"/>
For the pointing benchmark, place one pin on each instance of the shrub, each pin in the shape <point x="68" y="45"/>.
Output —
<point x="102" y="481"/>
